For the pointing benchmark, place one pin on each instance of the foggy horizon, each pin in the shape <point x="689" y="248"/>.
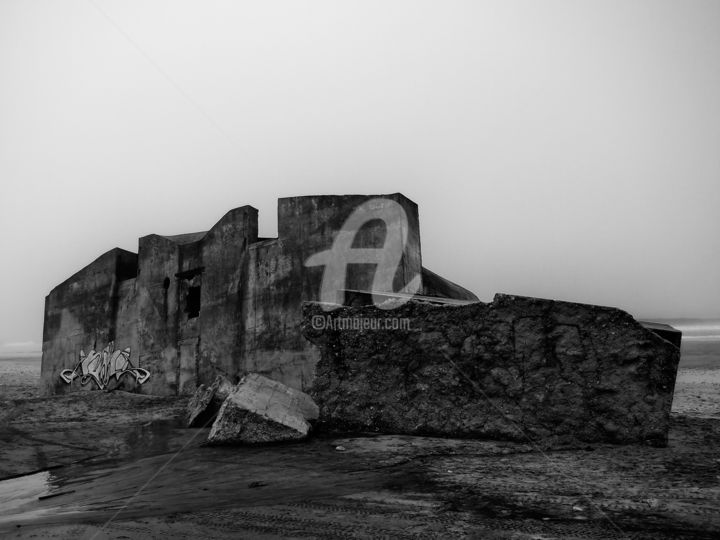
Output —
<point x="557" y="149"/>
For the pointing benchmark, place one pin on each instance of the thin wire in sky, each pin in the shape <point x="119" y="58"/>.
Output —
<point x="162" y="72"/>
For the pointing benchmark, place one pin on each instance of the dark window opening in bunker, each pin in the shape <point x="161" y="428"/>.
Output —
<point x="192" y="302"/>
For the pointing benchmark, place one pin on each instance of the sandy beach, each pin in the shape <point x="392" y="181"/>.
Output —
<point x="119" y="465"/>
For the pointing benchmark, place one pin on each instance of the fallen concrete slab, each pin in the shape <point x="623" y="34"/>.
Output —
<point x="204" y="405"/>
<point x="517" y="368"/>
<point x="260" y="410"/>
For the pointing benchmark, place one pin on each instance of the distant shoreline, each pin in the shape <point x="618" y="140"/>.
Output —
<point x="20" y="355"/>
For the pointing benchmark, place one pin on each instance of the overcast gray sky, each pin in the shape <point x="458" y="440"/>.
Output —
<point x="561" y="149"/>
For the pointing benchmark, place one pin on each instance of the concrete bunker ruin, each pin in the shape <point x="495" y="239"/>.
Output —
<point x="223" y="301"/>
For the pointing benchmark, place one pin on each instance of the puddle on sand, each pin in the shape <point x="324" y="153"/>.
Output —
<point x="16" y="492"/>
<point x="20" y="496"/>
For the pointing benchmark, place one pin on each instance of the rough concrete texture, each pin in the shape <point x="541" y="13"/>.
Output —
<point x="260" y="410"/>
<point x="204" y="405"/>
<point x="517" y="368"/>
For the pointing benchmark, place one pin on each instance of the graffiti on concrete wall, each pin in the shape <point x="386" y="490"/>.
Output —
<point x="102" y="366"/>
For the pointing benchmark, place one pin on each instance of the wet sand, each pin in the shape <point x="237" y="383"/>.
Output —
<point x="118" y="465"/>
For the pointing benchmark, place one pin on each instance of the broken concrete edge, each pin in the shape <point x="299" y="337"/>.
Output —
<point x="663" y="331"/>
<point x="204" y="405"/>
<point x="608" y="354"/>
<point x="259" y="410"/>
<point x="311" y="415"/>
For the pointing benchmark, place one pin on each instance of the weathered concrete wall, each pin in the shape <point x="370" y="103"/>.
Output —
<point x="156" y="293"/>
<point x="81" y="314"/>
<point x="185" y="341"/>
<point x="309" y="225"/>
<point x="517" y="368"/>
<point x="279" y="281"/>
<point x="126" y="333"/>
<point x="224" y="250"/>
<point x="272" y="344"/>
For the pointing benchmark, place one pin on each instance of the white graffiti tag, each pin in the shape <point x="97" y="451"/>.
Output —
<point x="386" y="258"/>
<point x="103" y="366"/>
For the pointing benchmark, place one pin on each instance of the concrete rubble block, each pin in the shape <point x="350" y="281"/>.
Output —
<point x="204" y="405"/>
<point x="260" y="410"/>
<point x="517" y="368"/>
